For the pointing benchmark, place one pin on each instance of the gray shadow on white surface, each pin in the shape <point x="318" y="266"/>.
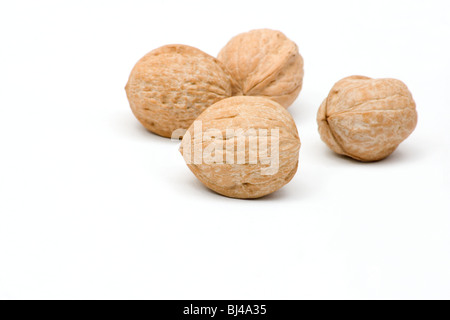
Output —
<point x="279" y="195"/>
<point x="303" y="111"/>
<point x="130" y="126"/>
<point x="403" y="155"/>
<point x="192" y="185"/>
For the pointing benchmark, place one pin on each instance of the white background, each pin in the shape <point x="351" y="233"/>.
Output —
<point x="93" y="206"/>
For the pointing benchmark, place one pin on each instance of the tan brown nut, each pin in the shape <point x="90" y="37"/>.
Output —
<point x="365" y="118"/>
<point x="264" y="63"/>
<point x="172" y="85"/>
<point x="243" y="147"/>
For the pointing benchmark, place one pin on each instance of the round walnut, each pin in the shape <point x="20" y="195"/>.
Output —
<point x="365" y="118"/>
<point x="264" y="63"/>
<point x="243" y="147"/>
<point x="172" y="85"/>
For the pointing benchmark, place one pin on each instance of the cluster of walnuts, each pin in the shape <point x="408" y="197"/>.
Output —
<point x="254" y="79"/>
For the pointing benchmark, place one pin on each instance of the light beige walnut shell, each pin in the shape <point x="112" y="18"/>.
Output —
<point x="264" y="63"/>
<point x="365" y="118"/>
<point x="245" y="179"/>
<point x="172" y="85"/>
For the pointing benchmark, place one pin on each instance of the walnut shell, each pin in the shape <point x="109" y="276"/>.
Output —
<point x="365" y="118"/>
<point x="172" y="85"/>
<point x="249" y="172"/>
<point x="264" y="63"/>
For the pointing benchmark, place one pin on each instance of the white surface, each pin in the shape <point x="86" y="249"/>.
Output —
<point x="94" y="206"/>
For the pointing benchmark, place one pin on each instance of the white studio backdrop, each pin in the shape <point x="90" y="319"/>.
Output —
<point x="93" y="206"/>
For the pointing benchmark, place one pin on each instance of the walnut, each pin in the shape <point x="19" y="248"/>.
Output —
<point x="243" y="147"/>
<point x="172" y="85"/>
<point x="264" y="63"/>
<point x="365" y="118"/>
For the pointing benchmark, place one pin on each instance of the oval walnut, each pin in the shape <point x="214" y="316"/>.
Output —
<point x="264" y="63"/>
<point x="172" y="85"/>
<point x="366" y="119"/>
<point x="268" y="160"/>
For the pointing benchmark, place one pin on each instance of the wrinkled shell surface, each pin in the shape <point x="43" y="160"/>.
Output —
<point x="172" y="85"/>
<point x="246" y="180"/>
<point x="264" y="63"/>
<point x="365" y="118"/>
